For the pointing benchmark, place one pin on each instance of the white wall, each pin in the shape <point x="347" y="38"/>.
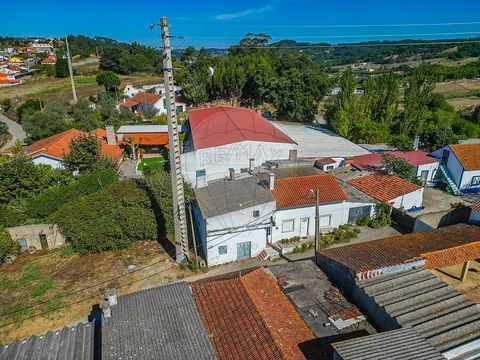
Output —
<point x="337" y="211"/>
<point x="46" y="160"/>
<point x="454" y="167"/>
<point x="130" y="91"/>
<point x="475" y="217"/>
<point x="431" y="168"/>
<point x="467" y="179"/>
<point x="233" y="228"/>
<point x="217" y="160"/>
<point x="410" y="200"/>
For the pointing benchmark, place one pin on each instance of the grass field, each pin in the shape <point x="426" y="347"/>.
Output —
<point x="149" y="161"/>
<point x="50" y="285"/>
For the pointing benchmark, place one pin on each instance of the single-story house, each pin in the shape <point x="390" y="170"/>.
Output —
<point x="49" y="60"/>
<point x="460" y="166"/>
<point x="295" y="205"/>
<point x="425" y="166"/>
<point x="148" y="100"/>
<point x="390" y="189"/>
<point x="328" y="163"/>
<point x="475" y="214"/>
<point x="50" y="151"/>
<point x="233" y="218"/>
<point x="226" y="137"/>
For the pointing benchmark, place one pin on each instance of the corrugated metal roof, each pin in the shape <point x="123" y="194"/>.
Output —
<point x="417" y="298"/>
<point x="404" y="344"/>
<point x="69" y="343"/>
<point x="223" y="197"/>
<point x="157" y="323"/>
<point x="131" y="129"/>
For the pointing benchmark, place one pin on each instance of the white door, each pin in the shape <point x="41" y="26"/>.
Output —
<point x="304" y="222"/>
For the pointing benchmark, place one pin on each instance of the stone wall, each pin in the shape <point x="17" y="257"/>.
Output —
<point x="31" y="233"/>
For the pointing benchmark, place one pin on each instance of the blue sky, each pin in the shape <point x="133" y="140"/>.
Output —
<point x="221" y="23"/>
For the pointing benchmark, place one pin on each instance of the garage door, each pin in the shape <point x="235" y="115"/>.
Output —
<point x="358" y="212"/>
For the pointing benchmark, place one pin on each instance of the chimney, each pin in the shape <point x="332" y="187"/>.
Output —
<point x="251" y="164"/>
<point x="416" y="142"/>
<point x="232" y="174"/>
<point x="106" y="311"/>
<point x="201" y="178"/>
<point x="110" y="135"/>
<point x="292" y="155"/>
<point x="124" y="100"/>
<point x="271" y="181"/>
<point x="112" y="297"/>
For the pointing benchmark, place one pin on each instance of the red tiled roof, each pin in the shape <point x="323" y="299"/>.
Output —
<point x="49" y="60"/>
<point x="147" y="138"/>
<point x="250" y="318"/>
<point x="59" y="144"/>
<point x="146" y="98"/>
<point x="468" y="155"/>
<point x="476" y="207"/>
<point x="222" y="125"/>
<point x="325" y="161"/>
<point x="383" y="187"/>
<point x="128" y="103"/>
<point x="440" y="247"/>
<point x="414" y="158"/>
<point x="295" y="191"/>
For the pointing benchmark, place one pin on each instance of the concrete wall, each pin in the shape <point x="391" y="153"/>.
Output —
<point x="338" y="213"/>
<point x="431" y="168"/>
<point x="410" y="200"/>
<point x="454" y="166"/>
<point x="217" y="160"/>
<point x="31" y="233"/>
<point x="440" y="219"/>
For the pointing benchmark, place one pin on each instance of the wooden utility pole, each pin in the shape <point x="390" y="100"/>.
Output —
<point x="317" y="222"/>
<point x="181" y="238"/>
<point x="70" y="69"/>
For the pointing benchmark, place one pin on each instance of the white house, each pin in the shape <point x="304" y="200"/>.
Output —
<point x="390" y="189"/>
<point x="158" y="89"/>
<point x="475" y="214"/>
<point x="460" y="166"/>
<point x="225" y="137"/>
<point x="233" y="219"/>
<point x="295" y="198"/>
<point x="328" y="163"/>
<point x="147" y="100"/>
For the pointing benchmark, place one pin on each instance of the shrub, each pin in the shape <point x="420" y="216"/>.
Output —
<point x="29" y="274"/>
<point x="7" y="244"/>
<point x="41" y="288"/>
<point x="381" y="217"/>
<point x="110" y="219"/>
<point x="66" y="250"/>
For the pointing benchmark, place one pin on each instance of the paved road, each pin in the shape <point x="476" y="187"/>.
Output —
<point x="15" y="129"/>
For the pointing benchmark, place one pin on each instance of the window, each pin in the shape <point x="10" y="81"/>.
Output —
<point x="222" y="250"/>
<point x="329" y="167"/>
<point x="288" y="225"/>
<point x="476" y="180"/>
<point x="325" y="220"/>
<point x="164" y="102"/>
<point x="256" y="213"/>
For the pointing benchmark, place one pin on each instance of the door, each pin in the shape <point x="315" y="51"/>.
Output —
<point x="445" y="156"/>
<point x="424" y="176"/>
<point x="304" y="222"/>
<point x="244" y="250"/>
<point x="358" y="212"/>
<point x="23" y="244"/>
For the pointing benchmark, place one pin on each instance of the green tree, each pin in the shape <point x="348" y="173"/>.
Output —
<point x="475" y="118"/>
<point x="195" y="86"/>
<point x="108" y="79"/>
<point x="84" y="116"/>
<point x="110" y="219"/>
<point x="49" y="121"/>
<point x="110" y="59"/>
<point x="343" y="112"/>
<point x="399" y="167"/>
<point x="189" y="55"/>
<point x="85" y="155"/>
<point x="7" y="244"/>
<point x="61" y="68"/>
<point x="29" y="106"/>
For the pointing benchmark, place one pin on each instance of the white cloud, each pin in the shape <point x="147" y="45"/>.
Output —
<point x="253" y="11"/>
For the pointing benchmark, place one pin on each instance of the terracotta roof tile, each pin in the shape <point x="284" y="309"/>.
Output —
<point x="476" y="207"/>
<point x="325" y="161"/>
<point x="441" y="247"/>
<point x="295" y="191"/>
<point x="468" y="155"/>
<point x="128" y="103"/>
<point x="368" y="161"/>
<point x="383" y="187"/>
<point x="147" y="138"/>
<point x="146" y="98"/>
<point x="250" y="318"/>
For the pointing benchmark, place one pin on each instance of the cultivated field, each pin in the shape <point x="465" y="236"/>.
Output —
<point x="51" y="285"/>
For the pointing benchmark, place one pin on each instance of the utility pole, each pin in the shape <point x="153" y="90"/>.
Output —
<point x="181" y="239"/>
<point x="71" y="71"/>
<point x="317" y="222"/>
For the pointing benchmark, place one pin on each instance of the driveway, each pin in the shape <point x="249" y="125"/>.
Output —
<point x="15" y="129"/>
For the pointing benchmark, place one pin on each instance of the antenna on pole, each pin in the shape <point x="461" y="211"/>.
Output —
<point x="181" y="238"/>
<point x="72" y="81"/>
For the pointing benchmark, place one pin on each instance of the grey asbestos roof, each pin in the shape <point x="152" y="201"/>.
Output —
<point x="158" y="323"/>
<point x="223" y="197"/>
<point x="69" y="343"/>
<point x="417" y="298"/>
<point x="402" y="344"/>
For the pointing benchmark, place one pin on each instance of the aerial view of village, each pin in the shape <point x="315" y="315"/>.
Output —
<point x="252" y="180"/>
